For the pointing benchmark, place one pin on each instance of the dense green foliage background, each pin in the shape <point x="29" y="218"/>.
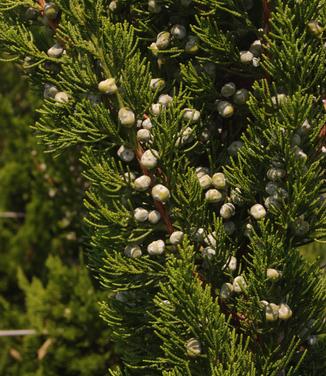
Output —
<point x="44" y="281"/>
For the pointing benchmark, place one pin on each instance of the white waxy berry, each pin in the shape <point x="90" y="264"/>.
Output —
<point x="147" y="124"/>
<point x="231" y="265"/>
<point x="193" y="347"/>
<point x="296" y="139"/>
<point x="149" y="159"/>
<point x="210" y="239"/>
<point x="229" y="227"/>
<point x="157" y="84"/>
<point x="154" y="217"/>
<point x="241" y="96"/>
<point x="272" y="202"/>
<point x="199" y="234"/>
<point x="176" y="237"/>
<point x="239" y="284"/>
<point x="246" y="57"/>
<point x="305" y="127"/>
<point x="256" y="62"/>
<point x="201" y="171"/>
<point x="154" y="49"/>
<point x="51" y="11"/>
<point x="315" y="28"/>
<point x="284" y="312"/>
<point x="157" y="247"/>
<point x="127" y="117"/>
<point x="133" y="251"/>
<point x="218" y="180"/>
<point x="154" y="6"/>
<point x="139" y="123"/>
<point x="275" y="174"/>
<point x="281" y="194"/>
<point x="213" y="196"/>
<point x="129" y="176"/>
<point x="156" y="108"/>
<point x="108" y="86"/>
<point x="278" y="100"/>
<point x="113" y="5"/>
<point x="50" y="91"/>
<point x="191" y="115"/>
<point x="248" y="230"/>
<point x="271" y="312"/>
<point x="226" y="291"/>
<point x="61" y="97"/>
<point x="271" y="188"/>
<point x="160" y="193"/>
<point x="163" y="40"/>
<point x="256" y="48"/>
<point x="55" y="51"/>
<point x="205" y="181"/>
<point x="186" y="136"/>
<point x="227" y="210"/>
<point x="257" y="211"/>
<point x="165" y="100"/>
<point x="234" y="148"/>
<point x="142" y="183"/>
<point x="178" y="31"/>
<point x="301" y="227"/>
<point x="125" y="154"/>
<point x="225" y="109"/>
<point x="273" y="274"/>
<point x="144" y="135"/>
<point x="208" y="252"/>
<point x="140" y="214"/>
<point x="191" y="46"/>
<point x="228" y="89"/>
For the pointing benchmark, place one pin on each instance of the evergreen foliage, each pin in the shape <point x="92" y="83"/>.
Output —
<point x="40" y="233"/>
<point x="232" y="94"/>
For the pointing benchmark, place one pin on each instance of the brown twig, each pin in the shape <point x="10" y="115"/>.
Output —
<point x="322" y="136"/>
<point x="236" y="316"/>
<point x="53" y="24"/>
<point x="42" y="5"/>
<point x="266" y="15"/>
